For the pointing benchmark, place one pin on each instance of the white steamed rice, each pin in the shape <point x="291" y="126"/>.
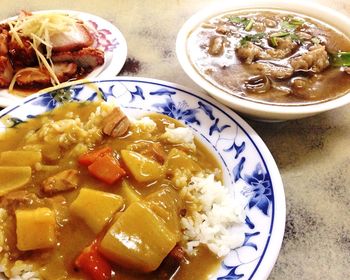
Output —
<point x="213" y="213"/>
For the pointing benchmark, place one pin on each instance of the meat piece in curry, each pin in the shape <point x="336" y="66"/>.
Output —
<point x="272" y="56"/>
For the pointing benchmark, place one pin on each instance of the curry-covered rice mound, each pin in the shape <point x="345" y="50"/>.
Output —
<point x="89" y="193"/>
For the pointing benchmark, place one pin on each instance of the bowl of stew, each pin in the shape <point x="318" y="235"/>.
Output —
<point x="269" y="60"/>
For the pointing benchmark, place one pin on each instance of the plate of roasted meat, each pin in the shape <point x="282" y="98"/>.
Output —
<point x="46" y="48"/>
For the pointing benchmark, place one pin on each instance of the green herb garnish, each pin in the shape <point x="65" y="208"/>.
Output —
<point x="240" y="20"/>
<point x="285" y="25"/>
<point x="235" y="19"/>
<point x="249" y="25"/>
<point x="280" y="34"/>
<point x="254" y="38"/>
<point x="296" y="38"/>
<point x="273" y="41"/>
<point x="288" y="28"/>
<point x="274" y="36"/>
<point x="340" y="59"/>
<point x="246" y="23"/>
<point x="296" y="21"/>
<point x="291" y="24"/>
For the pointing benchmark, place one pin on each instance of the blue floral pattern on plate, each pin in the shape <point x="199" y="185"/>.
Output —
<point x="247" y="164"/>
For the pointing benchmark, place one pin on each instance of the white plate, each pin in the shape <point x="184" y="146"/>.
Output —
<point x="247" y="163"/>
<point x="107" y="38"/>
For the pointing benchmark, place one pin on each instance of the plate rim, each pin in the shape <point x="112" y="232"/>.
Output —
<point x="274" y="241"/>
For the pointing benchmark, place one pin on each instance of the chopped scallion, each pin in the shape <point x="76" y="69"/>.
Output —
<point x="280" y="34"/>
<point x="273" y="41"/>
<point x="296" y="21"/>
<point x="244" y="22"/>
<point x="255" y="38"/>
<point x="249" y="25"/>
<point x="235" y="19"/>
<point x="296" y="38"/>
<point x="291" y="24"/>
<point x="340" y="59"/>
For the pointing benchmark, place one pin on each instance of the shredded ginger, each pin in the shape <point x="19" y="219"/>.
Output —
<point x="39" y="28"/>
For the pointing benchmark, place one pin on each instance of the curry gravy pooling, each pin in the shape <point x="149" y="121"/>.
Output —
<point x="270" y="56"/>
<point x="72" y="234"/>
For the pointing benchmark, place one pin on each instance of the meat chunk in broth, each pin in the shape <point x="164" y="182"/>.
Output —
<point x="216" y="45"/>
<point x="316" y="60"/>
<point x="250" y="53"/>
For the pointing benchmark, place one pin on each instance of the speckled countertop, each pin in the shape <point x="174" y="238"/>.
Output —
<point x="313" y="154"/>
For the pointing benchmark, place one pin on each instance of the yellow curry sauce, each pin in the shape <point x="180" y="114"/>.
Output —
<point x="72" y="234"/>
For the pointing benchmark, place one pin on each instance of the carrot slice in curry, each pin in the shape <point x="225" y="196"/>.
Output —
<point x="90" y="157"/>
<point x="93" y="264"/>
<point x="106" y="168"/>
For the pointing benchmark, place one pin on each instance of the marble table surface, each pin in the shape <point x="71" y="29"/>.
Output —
<point x="313" y="154"/>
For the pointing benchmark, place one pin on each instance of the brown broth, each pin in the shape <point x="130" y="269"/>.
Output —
<point x="228" y="72"/>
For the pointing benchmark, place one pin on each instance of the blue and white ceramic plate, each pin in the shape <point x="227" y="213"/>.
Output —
<point x="107" y="38"/>
<point x="247" y="163"/>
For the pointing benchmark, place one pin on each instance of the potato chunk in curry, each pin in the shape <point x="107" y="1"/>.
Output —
<point x="13" y="177"/>
<point x="143" y="245"/>
<point x="20" y="158"/>
<point x="88" y="201"/>
<point x="35" y="229"/>
<point x="141" y="167"/>
<point x="129" y="193"/>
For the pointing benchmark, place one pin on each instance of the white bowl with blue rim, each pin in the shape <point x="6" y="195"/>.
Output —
<point x="247" y="164"/>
